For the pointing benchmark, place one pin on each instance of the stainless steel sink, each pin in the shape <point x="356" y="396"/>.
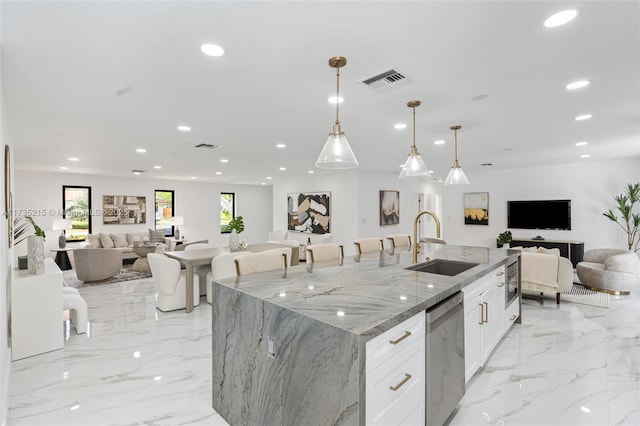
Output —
<point x="443" y="267"/>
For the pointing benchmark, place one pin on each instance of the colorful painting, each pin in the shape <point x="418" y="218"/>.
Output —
<point x="123" y="209"/>
<point x="476" y="208"/>
<point x="309" y="212"/>
<point x="389" y="208"/>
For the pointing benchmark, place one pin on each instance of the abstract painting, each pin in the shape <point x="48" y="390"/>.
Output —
<point x="309" y="212"/>
<point x="476" y="208"/>
<point x="123" y="209"/>
<point x="389" y="208"/>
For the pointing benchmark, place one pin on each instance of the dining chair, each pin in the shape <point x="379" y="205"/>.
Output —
<point x="171" y="283"/>
<point x="399" y="240"/>
<point x="222" y="266"/>
<point x="324" y="252"/>
<point x="366" y="245"/>
<point x="269" y="260"/>
<point x="201" y="270"/>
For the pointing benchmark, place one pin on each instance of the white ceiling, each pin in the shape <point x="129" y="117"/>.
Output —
<point x="96" y="80"/>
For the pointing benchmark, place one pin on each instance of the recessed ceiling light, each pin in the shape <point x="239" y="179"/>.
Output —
<point x="212" y="50"/>
<point x="560" y="18"/>
<point x="263" y="183"/>
<point x="64" y="168"/>
<point x="281" y="145"/>
<point x="218" y="173"/>
<point x="583" y="117"/>
<point x="585" y="156"/>
<point x="583" y="143"/>
<point x="72" y="159"/>
<point x="282" y="169"/>
<point x="184" y="128"/>
<point x="440" y="142"/>
<point x="577" y="85"/>
<point x="311" y="172"/>
<point x="137" y="173"/>
<point x="157" y="167"/>
<point x="224" y="160"/>
<point x="332" y="99"/>
<point x="141" y="150"/>
<point x="193" y="177"/>
<point x="269" y="178"/>
<point x="400" y="126"/>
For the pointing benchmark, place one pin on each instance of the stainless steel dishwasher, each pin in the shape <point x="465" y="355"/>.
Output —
<point x="444" y="359"/>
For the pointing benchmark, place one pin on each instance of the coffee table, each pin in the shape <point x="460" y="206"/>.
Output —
<point x="142" y="263"/>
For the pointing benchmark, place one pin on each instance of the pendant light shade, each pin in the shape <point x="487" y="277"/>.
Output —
<point x="414" y="167"/>
<point x="456" y="175"/>
<point x="336" y="153"/>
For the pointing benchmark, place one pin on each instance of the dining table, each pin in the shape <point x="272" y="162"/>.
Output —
<point x="197" y="257"/>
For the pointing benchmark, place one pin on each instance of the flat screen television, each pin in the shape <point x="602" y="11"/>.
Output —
<point x="539" y="214"/>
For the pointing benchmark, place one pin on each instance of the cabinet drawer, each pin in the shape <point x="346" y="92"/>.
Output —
<point x="409" y="409"/>
<point x="404" y="372"/>
<point x="511" y="314"/>
<point x="402" y="335"/>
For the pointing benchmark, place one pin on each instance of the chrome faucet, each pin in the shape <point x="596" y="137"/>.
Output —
<point x="416" y="245"/>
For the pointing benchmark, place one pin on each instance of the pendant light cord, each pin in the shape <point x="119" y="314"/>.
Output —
<point x="414" y="127"/>
<point x="337" y="94"/>
<point x="455" y="145"/>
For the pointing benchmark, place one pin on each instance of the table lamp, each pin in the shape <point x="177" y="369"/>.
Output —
<point x="62" y="225"/>
<point x="176" y="221"/>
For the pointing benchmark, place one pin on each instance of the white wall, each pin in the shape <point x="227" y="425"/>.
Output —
<point x="198" y="203"/>
<point x="590" y="186"/>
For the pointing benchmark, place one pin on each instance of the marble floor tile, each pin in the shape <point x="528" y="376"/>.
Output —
<point x="564" y="365"/>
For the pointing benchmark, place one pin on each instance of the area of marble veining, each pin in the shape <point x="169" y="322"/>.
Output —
<point x="571" y="364"/>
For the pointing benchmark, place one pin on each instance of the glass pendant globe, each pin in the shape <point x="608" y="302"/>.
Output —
<point x="414" y="168"/>
<point x="456" y="176"/>
<point x="336" y="153"/>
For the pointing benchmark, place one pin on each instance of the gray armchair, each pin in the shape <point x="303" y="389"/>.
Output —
<point x="96" y="264"/>
<point x="613" y="271"/>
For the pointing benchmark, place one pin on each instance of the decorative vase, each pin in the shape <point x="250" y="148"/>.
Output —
<point x="506" y="245"/>
<point x="35" y="254"/>
<point x="234" y="240"/>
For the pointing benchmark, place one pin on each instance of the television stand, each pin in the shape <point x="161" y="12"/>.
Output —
<point x="573" y="250"/>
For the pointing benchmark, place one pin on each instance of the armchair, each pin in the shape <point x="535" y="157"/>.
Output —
<point x="171" y="283"/>
<point x="612" y="271"/>
<point x="546" y="273"/>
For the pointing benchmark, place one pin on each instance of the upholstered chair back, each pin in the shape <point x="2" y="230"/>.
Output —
<point x="262" y="261"/>
<point x="366" y="245"/>
<point x="324" y="252"/>
<point x="170" y="283"/>
<point x="399" y="240"/>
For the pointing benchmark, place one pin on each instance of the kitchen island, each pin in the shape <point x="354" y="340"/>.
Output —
<point x="291" y="348"/>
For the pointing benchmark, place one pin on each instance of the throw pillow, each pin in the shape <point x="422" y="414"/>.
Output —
<point x="531" y="249"/>
<point x="94" y="241"/>
<point x="554" y="251"/>
<point x="119" y="240"/>
<point x="156" y="236"/>
<point x="106" y="241"/>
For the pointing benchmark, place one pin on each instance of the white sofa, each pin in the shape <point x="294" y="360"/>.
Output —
<point x="124" y="242"/>
<point x="545" y="271"/>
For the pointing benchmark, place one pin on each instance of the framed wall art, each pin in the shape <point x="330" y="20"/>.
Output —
<point x="476" y="208"/>
<point x="124" y="209"/>
<point x="309" y="212"/>
<point x="389" y="208"/>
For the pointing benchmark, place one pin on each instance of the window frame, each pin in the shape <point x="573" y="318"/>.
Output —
<point x="89" y="210"/>
<point x="155" y="209"/>
<point x="233" y="211"/>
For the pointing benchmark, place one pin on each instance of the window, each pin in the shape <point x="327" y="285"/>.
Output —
<point x="164" y="211"/>
<point x="76" y="203"/>
<point x="227" y="210"/>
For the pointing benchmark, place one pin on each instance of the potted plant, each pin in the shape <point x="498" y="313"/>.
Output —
<point x="504" y="239"/>
<point x="236" y="225"/>
<point x="629" y="221"/>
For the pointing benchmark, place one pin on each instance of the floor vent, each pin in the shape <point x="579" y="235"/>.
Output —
<point x="207" y="146"/>
<point x="386" y="79"/>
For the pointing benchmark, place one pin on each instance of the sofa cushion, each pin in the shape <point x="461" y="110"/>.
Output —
<point x="553" y="251"/>
<point x="93" y="241"/>
<point x="156" y="236"/>
<point x="106" y="241"/>
<point x="119" y="240"/>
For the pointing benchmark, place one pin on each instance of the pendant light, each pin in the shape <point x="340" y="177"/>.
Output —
<point x="414" y="167"/>
<point x="456" y="175"/>
<point x="337" y="153"/>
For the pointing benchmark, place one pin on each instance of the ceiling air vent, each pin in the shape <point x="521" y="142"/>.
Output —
<point x="386" y="79"/>
<point x="207" y="146"/>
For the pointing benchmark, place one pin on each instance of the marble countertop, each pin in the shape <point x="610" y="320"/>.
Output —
<point x="371" y="293"/>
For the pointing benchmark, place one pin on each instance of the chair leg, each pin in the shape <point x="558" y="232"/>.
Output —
<point x="557" y="298"/>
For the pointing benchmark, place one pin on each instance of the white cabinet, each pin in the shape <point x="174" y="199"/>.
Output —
<point x="395" y="380"/>
<point x="36" y="311"/>
<point x="485" y="319"/>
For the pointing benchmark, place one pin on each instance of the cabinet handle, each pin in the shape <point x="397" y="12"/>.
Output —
<point x="400" y="339"/>
<point x="399" y="385"/>
<point x="481" y="313"/>
<point x="486" y="311"/>
<point x="499" y="274"/>
<point x="501" y="285"/>
<point x="514" y="316"/>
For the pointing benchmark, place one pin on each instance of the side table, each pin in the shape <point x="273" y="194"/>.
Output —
<point x="62" y="258"/>
<point x="142" y="263"/>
